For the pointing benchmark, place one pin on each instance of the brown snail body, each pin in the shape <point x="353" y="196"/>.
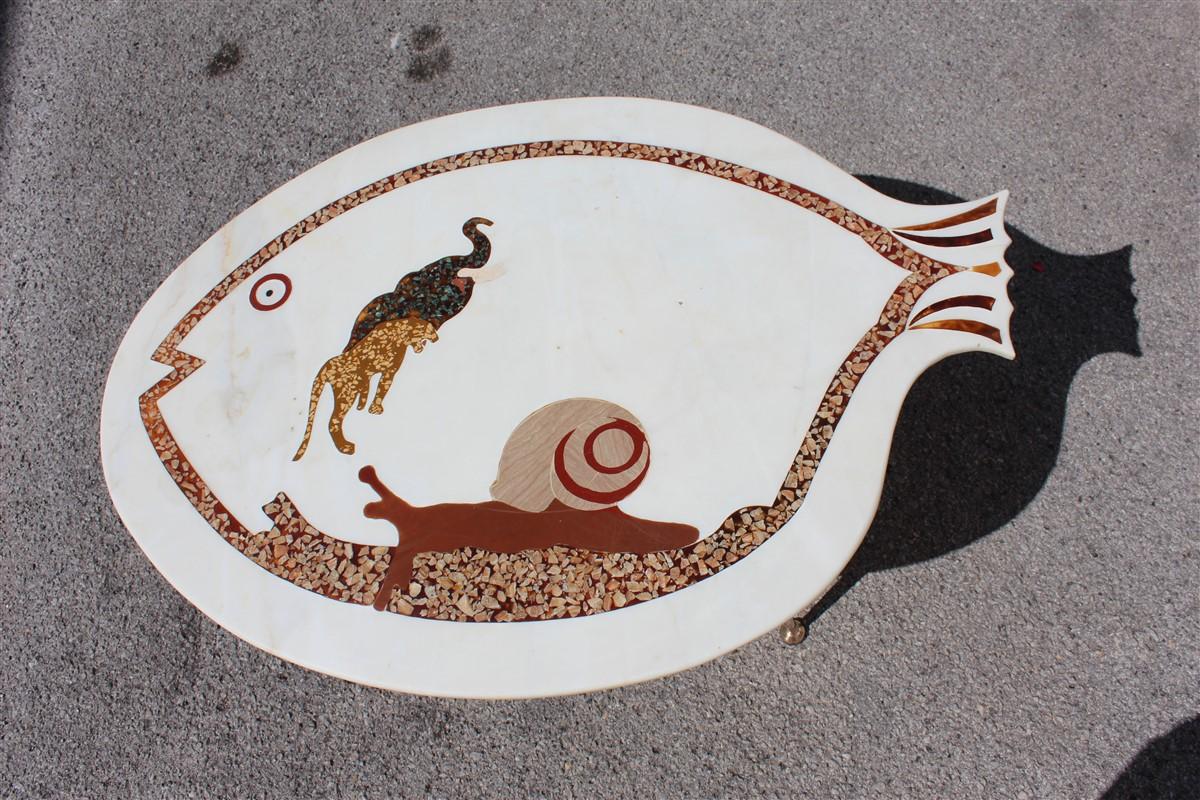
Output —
<point x="561" y="474"/>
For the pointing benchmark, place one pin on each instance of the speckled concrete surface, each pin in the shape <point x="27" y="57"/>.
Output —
<point x="1029" y="627"/>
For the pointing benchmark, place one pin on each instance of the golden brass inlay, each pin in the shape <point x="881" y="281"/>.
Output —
<point x="992" y="269"/>
<point x="979" y="212"/>
<point x="960" y="240"/>
<point x="350" y="372"/>
<point x="968" y="325"/>
<point x="971" y="300"/>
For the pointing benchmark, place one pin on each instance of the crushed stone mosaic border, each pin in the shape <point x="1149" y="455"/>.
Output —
<point x="474" y="585"/>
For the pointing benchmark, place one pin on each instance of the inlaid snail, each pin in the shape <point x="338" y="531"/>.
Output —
<point x="561" y="474"/>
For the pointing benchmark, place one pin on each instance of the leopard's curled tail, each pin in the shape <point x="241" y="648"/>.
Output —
<point x="318" y="385"/>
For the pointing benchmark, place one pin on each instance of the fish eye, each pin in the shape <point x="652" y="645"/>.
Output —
<point x="270" y="291"/>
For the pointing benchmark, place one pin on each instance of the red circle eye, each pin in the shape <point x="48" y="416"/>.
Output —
<point x="270" y="291"/>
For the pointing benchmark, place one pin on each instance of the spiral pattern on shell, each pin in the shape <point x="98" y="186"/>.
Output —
<point x="586" y="453"/>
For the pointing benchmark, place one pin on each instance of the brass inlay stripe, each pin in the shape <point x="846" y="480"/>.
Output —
<point x="967" y="325"/>
<point x="992" y="269"/>
<point x="972" y="300"/>
<point x="979" y="212"/>
<point x="961" y="240"/>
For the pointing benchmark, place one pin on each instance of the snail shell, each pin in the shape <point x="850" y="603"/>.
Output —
<point x="588" y="454"/>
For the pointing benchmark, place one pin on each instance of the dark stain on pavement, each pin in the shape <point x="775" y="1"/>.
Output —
<point x="430" y="60"/>
<point x="425" y="37"/>
<point x="224" y="60"/>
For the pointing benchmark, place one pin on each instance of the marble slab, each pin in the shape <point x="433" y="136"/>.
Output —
<point x="537" y="399"/>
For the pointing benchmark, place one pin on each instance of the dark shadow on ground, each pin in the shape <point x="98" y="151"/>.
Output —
<point x="6" y="11"/>
<point x="1167" y="768"/>
<point x="979" y="435"/>
<point x="7" y="48"/>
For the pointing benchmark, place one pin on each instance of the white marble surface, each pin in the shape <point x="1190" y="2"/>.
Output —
<point x="715" y="313"/>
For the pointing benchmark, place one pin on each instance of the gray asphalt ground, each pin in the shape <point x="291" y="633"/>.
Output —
<point x="1024" y="621"/>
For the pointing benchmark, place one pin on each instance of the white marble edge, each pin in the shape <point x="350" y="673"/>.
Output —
<point x="811" y="563"/>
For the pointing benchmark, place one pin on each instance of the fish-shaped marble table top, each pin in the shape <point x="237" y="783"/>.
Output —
<point x="537" y="399"/>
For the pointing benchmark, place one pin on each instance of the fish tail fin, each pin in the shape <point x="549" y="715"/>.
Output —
<point x="969" y="236"/>
<point x="964" y="234"/>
